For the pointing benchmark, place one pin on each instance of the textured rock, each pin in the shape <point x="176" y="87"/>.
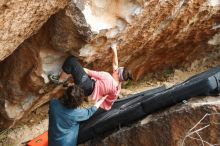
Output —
<point x="23" y="75"/>
<point x="184" y="26"/>
<point x="166" y="34"/>
<point x="20" y="19"/>
<point x="20" y="80"/>
<point x="109" y="14"/>
<point x="69" y="30"/>
<point x="176" y="126"/>
<point x="109" y="18"/>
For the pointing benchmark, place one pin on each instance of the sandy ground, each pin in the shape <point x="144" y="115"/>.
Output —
<point x="37" y="122"/>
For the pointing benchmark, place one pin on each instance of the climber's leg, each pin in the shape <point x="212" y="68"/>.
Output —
<point x="71" y="66"/>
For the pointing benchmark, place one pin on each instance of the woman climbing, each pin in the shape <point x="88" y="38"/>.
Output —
<point x="96" y="84"/>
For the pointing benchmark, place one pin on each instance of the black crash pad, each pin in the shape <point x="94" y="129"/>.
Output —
<point x="90" y="128"/>
<point x="135" y="107"/>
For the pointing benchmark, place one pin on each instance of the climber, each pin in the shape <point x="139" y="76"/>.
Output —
<point x="95" y="84"/>
<point x="65" y="116"/>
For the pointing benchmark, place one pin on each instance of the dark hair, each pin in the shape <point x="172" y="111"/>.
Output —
<point x="73" y="97"/>
<point x="127" y="74"/>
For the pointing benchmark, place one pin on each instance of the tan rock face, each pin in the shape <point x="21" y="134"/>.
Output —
<point x="108" y="14"/>
<point x="108" y="18"/>
<point x="69" y="30"/>
<point x="166" y="34"/>
<point x="23" y="74"/>
<point x="20" y="80"/>
<point x="20" y="19"/>
<point x="193" y="124"/>
<point x="182" y="34"/>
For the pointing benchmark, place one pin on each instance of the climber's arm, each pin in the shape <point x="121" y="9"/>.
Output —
<point x="115" y="57"/>
<point x="86" y="70"/>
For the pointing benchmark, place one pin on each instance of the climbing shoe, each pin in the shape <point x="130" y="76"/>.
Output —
<point x="54" y="79"/>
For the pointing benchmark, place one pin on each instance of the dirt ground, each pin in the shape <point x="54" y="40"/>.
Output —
<point x="37" y="122"/>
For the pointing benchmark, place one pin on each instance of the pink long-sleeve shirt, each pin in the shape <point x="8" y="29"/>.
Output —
<point x="105" y="85"/>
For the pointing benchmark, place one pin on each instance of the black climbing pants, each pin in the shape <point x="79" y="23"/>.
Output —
<point x="72" y="66"/>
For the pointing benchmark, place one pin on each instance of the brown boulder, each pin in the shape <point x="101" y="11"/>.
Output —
<point x="20" y="19"/>
<point x="23" y="75"/>
<point x="192" y="124"/>
<point x="69" y="30"/>
<point x="167" y="34"/>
